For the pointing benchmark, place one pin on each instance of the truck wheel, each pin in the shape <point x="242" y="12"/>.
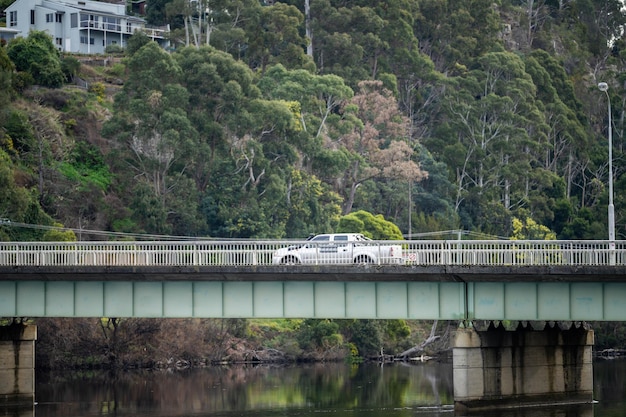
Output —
<point x="289" y="260"/>
<point x="363" y="259"/>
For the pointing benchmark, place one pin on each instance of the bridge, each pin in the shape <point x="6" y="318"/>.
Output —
<point x="551" y="281"/>
<point x="448" y="280"/>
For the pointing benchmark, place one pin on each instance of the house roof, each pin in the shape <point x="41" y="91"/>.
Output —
<point x="84" y="6"/>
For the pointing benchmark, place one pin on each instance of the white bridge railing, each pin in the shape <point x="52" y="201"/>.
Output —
<point x="252" y="253"/>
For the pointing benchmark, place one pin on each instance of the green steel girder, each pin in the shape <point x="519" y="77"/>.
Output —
<point x="263" y="299"/>
<point x="541" y="301"/>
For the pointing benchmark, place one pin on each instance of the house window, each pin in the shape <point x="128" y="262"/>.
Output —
<point x="32" y="17"/>
<point x="13" y="18"/>
<point x="49" y="18"/>
<point x="58" y="41"/>
<point x="129" y="27"/>
<point x="74" y="20"/>
<point x="58" y="18"/>
<point x="111" y="23"/>
<point x="84" y="40"/>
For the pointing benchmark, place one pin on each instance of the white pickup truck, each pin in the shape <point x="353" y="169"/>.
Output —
<point x="339" y="248"/>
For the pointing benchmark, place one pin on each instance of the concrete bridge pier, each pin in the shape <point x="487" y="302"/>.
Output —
<point x="499" y="369"/>
<point x="17" y="368"/>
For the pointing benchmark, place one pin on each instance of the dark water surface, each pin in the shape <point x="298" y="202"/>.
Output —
<point x="321" y="390"/>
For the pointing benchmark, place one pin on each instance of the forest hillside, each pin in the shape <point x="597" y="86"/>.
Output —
<point x="278" y="119"/>
<point x="273" y="120"/>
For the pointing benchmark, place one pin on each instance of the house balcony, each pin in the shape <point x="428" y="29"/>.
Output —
<point x="151" y="32"/>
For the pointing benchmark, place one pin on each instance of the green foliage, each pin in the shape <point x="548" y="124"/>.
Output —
<point x="317" y="334"/>
<point x="372" y="226"/>
<point x="366" y="335"/>
<point x="18" y="204"/>
<point x="116" y="70"/>
<point x="70" y="67"/>
<point x="87" y="167"/>
<point x="353" y="354"/>
<point x="37" y="55"/>
<point x="59" y="235"/>
<point x="6" y="84"/>
<point x="22" y="80"/>
<point x="114" y="49"/>
<point x="274" y="37"/>
<point x="135" y="42"/>
<point x="19" y="130"/>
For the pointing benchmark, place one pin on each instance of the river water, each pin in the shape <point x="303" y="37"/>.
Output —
<point x="320" y="390"/>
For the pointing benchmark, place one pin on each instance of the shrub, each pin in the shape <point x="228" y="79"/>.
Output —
<point x="114" y="49"/>
<point x="37" y="56"/>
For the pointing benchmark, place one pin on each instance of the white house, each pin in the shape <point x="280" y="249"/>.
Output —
<point x="79" y="26"/>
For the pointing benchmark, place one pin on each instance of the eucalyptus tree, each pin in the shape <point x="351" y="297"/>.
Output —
<point x="228" y="20"/>
<point x="567" y="135"/>
<point x="493" y="134"/>
<point x="247" y="159"/>
<point x="7" y="68"/>
<point x="155" y="136"/>
<point x="273" y="36"/>
<point x="453" y="32"/>
<point x="319" y="96"/>
<point x="220" y="89"/>
<point x="375" y="137"/>
<point x="336" y="49"/>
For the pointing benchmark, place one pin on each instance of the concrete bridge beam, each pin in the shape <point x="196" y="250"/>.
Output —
<point x="499" y="369"/>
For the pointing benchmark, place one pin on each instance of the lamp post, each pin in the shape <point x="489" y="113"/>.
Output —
<point x="605" y="88"/>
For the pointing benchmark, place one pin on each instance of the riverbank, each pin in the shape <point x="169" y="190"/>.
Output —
<point x="195" y="343"/>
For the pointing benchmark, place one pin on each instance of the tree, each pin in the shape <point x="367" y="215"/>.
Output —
<point x="528" y="229"/>
<point x="374" y="227"/>
<point x="151" y="124"/>
<point x="376" y="135"/>
<point x="220" y="92"/>
<point x="452" y="33"/>
<point x="6" y="93"/>
<point x="274" y="37"/>
<point x="37" y="55"/>
<point x="495" y="135"/>
<point x="320" y="98"/>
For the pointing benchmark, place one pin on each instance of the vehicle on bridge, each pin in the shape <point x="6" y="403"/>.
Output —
<point x="339" y="248"/>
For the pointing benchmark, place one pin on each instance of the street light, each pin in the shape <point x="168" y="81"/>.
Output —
<point x="605" y="87"/>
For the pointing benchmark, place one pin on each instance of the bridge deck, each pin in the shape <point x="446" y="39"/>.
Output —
<point x="366" y="273"/>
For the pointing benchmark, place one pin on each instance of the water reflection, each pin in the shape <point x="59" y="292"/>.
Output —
<point x="398" y="390"/>
<point x="234" y="389"/>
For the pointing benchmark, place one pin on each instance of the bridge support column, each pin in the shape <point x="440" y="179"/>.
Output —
<point x="17" y="367"/>
<point x="502" y="369"/>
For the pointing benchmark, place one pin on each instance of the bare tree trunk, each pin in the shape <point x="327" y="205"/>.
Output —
<point x="420" y="348"/>
<point x="186" y="31"/>
<point x="309" y="32"/>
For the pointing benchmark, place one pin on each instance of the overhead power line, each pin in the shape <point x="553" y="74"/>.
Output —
<point x="147" y="236"/>
<point x="141" y="236"/>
